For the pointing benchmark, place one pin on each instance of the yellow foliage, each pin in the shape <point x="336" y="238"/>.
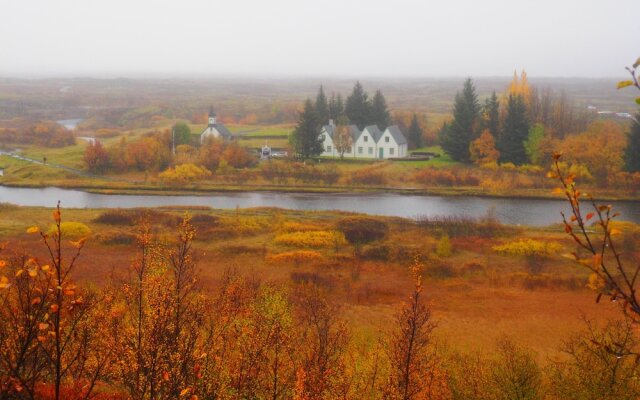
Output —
<point x="184" y="173"/>
<point x="295" y="257"/>
<point x="71" y="230"/>
<point x="292" y="226"/>
<point x="311" y="239"/>
<point x="528" y="247"/>
<point x="244" y="225"/>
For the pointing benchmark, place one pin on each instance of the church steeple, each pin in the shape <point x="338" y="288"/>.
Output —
<point x="212" y="117"/>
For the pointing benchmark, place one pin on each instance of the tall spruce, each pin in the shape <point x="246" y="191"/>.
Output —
<point x="379" y="111"/>
<point x="415" y="133"/>
<point x="464" y="128"/>
<point x="511" y="143"/>
<point x="491" y="115"/>
<point x="306" y="137"/>
<point x="336" y="107"/>
<point x="322" y="106"/>
<point x="632" y="152"/>
<point x="358" y="107"/>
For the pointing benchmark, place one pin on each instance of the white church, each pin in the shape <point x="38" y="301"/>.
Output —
<point x="214" y="129"/>
<point x="368" y="143"/>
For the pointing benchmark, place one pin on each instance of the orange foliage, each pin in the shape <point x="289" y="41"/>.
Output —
<point x="483" y="149"/>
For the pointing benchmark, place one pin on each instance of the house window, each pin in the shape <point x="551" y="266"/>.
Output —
<point x="321" y="137"/>
<point x="359" y="150"/>
<point x="329" y="149"/>
<point x="370" y="150"/>
<point x="386" y="140"/>
<point x="366" y="138"/>
<point x="348" y="150"/>
<point x="391" y="151"/>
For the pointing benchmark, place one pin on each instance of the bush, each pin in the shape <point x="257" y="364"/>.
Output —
<point x="295" y="257"/>
<point x="528" y="247"/>
<point x="311" y="239"/>
<point x="443" y="247"/>
<point x="71" y="230"/>
<point x="362" y="230"/>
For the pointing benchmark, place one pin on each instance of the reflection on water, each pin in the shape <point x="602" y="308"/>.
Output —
<point x="508" y="210"/>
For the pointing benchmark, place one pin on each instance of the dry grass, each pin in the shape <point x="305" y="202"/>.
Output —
<point x="478" y="294"/>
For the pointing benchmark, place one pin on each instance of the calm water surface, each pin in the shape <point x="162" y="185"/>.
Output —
<point x="508" y="210"/>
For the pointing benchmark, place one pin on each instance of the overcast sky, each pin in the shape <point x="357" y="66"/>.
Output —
<point x="350" y="38"/>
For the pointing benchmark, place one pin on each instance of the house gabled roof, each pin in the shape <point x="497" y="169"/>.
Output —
<point x="353" y="130"/>
<point x="396" y="134"/>
<point x="374" y="132"/>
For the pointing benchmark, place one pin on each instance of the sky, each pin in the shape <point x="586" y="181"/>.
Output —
<point x="334" y="38"/>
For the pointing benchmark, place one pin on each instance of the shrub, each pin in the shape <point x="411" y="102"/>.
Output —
<point x="528" y="247"/>
<point x="362" y="230"/>
<point x="71" y="230"/>
<point x="311" y="239"/>
<point x="292" y="226"/>
<point x="368" y="176"/>
<point x="184" y="173"/>
<point x="297" y="257"/>
<point x="443" y="247"/>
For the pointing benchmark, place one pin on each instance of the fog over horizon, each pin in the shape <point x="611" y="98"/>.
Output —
<point x="295" y="38"/>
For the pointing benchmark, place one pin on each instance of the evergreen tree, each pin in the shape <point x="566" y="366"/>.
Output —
<point x="457" y="136"/>
<point x="336" y="107"/>
<point x="415" y="133"/>
<point x="379" y="112"/>
<point x="516" y="131"/>
<point x="632" y="152"/>
<point x="358" y="107"/>
<point x="491" y="114"/>
<point x="306" y="137"/>
<point x="322" y="106"/>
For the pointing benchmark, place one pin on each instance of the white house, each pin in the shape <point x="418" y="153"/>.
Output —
<point x="368" y="143"/>
<point x="214" y="129"/>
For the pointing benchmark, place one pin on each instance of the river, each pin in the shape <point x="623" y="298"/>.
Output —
<point x="539" y="212"/>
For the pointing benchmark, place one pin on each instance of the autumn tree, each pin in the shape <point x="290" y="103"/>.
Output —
<point x="358" y="107"/>
<point x="322" y="106"/>
<point x="516" y="131"/>
<point x="597" y="363"/>
<point x="159" y="331"/>
<point x="409" y="349"/>
<point x="380" y="115"/>
<point x="610" y="277"/>
<point x="96" y="157"/>
<point x="632" y="150"/>
<point x="456" y="137"/>
<point x="49" y="329"/>
<point x="415" y="133"/>
<point x="306" y="136"/>
<point x="600" y="149"/>
<point x="324" y="337"/>
<point x="342" y="138"/>
<point x="483" y="149"/>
